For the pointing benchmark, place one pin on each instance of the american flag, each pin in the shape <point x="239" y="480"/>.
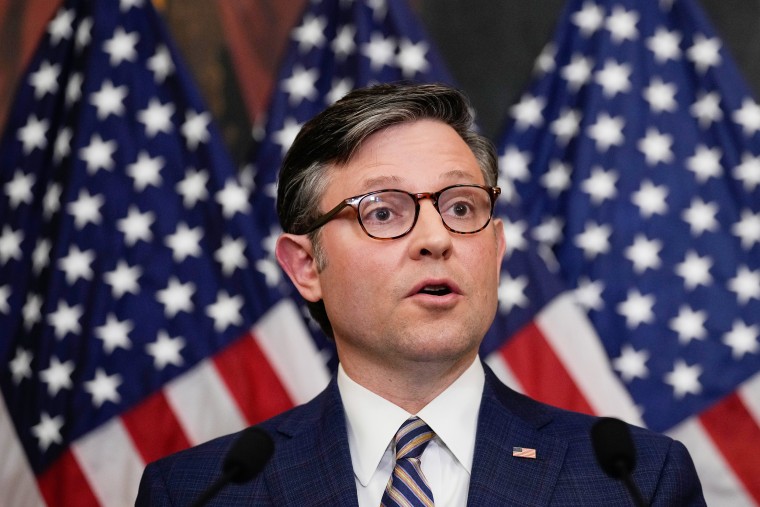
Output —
<point x="337" y="46"/>
<point x="141" y="311"/>
<point x="632" y="163"/>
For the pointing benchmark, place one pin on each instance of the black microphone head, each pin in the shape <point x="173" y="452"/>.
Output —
<point x="248" y="455"/>
<point x="613" y="447"/>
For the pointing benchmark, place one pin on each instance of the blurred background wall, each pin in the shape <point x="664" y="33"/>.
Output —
<point x="489" y="46"/>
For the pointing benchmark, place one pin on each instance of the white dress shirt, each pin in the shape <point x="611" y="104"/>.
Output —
<point x="373" y="421"/>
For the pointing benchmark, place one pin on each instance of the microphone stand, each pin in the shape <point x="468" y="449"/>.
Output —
<point x="211" y="492"/>
<point x="630" y="485"/>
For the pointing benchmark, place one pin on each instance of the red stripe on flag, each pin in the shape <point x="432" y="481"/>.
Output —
<point x="64" y="484"/>
<point x="251" y="380"/>
<point x="540" y="372"/>
<point x="736" y="434"/>
<point x="154" y="428"/>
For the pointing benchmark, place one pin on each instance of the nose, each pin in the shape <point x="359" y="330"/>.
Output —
<point x="429" y="238"/>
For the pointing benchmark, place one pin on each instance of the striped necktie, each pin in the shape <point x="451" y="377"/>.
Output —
<point x="407" y="486"/>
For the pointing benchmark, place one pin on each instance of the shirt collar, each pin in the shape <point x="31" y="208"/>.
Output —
<point x="372" y="421"/>
<point x="453" y="414"/>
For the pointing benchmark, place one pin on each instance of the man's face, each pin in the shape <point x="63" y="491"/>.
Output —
<point x="376" y="292"/>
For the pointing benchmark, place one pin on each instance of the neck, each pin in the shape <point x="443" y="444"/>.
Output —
<point x="410" y="386"/>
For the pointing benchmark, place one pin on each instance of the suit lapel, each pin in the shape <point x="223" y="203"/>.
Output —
<point x="315" y="468"/>
<point x="507" y="420"/>
<point x="313" y="464"/>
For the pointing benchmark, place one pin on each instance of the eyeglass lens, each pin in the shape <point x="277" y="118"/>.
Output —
<point x="391" y="213"/>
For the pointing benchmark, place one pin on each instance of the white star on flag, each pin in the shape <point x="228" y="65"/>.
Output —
<point x="646" y="214"/>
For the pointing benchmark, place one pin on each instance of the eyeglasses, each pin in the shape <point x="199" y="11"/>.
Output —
<point x="390" y="213"/>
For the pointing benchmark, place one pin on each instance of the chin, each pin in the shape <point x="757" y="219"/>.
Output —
<point x="441" y="347"/>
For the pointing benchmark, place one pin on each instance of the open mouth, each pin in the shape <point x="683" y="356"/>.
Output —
<point x="435" y="290"/>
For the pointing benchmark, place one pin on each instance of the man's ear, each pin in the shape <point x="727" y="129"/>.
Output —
<point x="295" y="255"/>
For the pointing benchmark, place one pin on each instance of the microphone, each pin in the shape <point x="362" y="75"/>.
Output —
<point x="615" y="453"/>
<point x="245" y="459"/>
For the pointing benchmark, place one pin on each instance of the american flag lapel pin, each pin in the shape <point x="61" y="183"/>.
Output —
<point x="523" y="452"/>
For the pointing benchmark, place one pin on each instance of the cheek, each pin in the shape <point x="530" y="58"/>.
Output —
<point x="482" y="259"/>
<point x="484" y="265"/>
<point x="354" y="299"/>
<point x="350" y="281"/>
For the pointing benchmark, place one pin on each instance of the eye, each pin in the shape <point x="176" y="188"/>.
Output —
<point x="384" y="208"/>
<point x="461" y="209"/>
<point x="379" y="214"/>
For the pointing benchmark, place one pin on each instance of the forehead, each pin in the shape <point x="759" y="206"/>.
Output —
<point x="419" y="156"/>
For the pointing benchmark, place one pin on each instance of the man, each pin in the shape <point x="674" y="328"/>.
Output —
<point x="386" y="200"/>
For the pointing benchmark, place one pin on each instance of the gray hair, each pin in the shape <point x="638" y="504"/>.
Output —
<point x="331" y="138"/>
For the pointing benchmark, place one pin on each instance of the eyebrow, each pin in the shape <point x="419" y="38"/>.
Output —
<point x="380" y="182"/>
<point x="389" y="181"/>
<point x="457" y="173"/>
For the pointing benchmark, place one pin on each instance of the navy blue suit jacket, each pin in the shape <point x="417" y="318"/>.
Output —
<point x="311" y="464"/>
